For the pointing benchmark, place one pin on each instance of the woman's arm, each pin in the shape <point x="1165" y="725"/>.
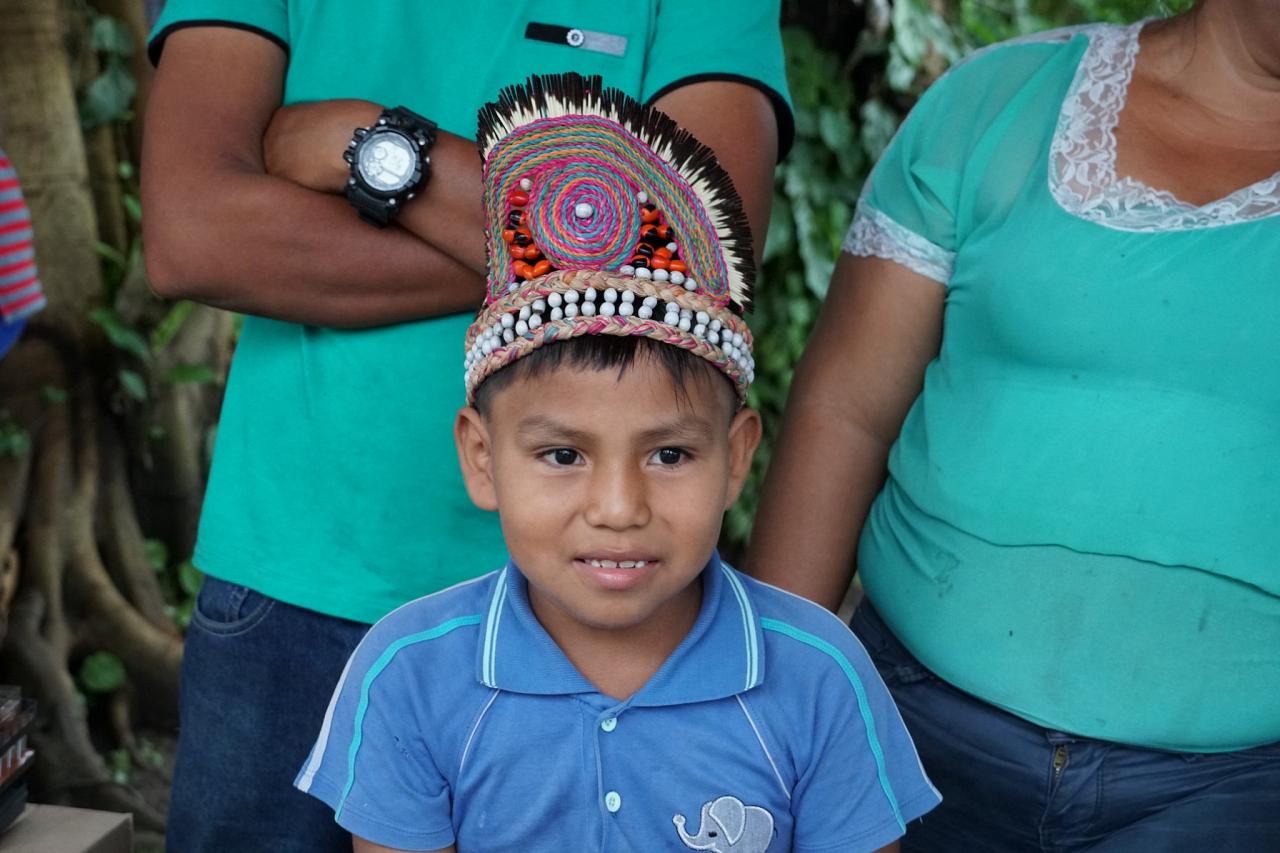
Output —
<point x="863" y="367"/>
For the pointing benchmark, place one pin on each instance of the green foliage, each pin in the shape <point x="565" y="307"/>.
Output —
<point x="121" y="334"/>
<point x="14" y="440"/>
<point x="120" y="764"/>
<point x="102" y="672"/>
<point x="108" y="97"/>
<point x="847" y="109"/>
<point x="53" y="395"/>
<point x="195" y="374"/>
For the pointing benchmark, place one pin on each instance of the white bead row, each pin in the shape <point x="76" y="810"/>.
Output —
<point x="608" y="303"/>
<point x="647" y="274"/>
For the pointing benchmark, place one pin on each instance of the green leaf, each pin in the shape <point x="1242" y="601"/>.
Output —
<point x="120" y="763"/>
<point x="133" y="384"/>
<point x="102" y="672"/>
<point x="835" y="128"/>
<point x="125" y="170"/>
<point x="111" y="253"/>
<point x="53" y="395"/>
<point x="181" y="615"/>
<point x="132" y="206"/>
<point x="190" y="579"/>
<point x="879" y="123"/>
<point x="197" y="374"/>
<point x="149" y="754"/>
<point x="167" y="329"/>
<point x="157" y="554"/>
<point x="120" y="334"/>
<point x="110" y="35"/>
<point x="108" y="96"/>
<point x="14" y="440"/>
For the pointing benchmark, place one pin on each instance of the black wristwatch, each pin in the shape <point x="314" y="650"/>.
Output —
<point x="390" y="162"/>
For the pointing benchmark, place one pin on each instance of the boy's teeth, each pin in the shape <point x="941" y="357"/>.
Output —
<point x="614" y="564"/>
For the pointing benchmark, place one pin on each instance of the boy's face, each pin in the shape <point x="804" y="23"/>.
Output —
<point x="610" y="490"/>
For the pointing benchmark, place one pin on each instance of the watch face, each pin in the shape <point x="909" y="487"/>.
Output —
<point x="387" y="161"/>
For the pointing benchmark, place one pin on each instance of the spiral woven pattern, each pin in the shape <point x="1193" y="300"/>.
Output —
<point x="603" y="240"/>
<point x="568" y="156"/>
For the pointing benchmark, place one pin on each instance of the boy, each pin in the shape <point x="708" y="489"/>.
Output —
<point x="616" y="686"/>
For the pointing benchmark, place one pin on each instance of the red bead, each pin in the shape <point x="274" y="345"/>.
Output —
<point x="532" y="252"/>
<point x="541" y="268"/>
<point x="677" y="266"/>
<point x="508" y="234"/>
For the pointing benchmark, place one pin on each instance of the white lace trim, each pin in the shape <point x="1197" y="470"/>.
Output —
<point x="874" y="234"/>
<point x="1082" y="157"/>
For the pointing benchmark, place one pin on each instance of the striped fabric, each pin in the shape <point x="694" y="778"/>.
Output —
<point x="20" y="293"/>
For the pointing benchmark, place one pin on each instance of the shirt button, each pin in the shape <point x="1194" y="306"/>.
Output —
<point x="575" y="38"/>
<point x="609" y="724"/>
<point x="613" y="801"/>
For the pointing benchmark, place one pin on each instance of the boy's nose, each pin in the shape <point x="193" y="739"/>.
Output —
<point x="618" y="498"/>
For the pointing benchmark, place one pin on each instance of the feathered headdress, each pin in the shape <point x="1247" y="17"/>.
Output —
<point x="604" y="217"/>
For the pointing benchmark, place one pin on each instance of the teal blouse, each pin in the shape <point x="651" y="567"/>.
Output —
<point x="1081" y="523"/>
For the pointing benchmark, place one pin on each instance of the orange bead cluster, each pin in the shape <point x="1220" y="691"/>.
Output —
<point x="653" y="251"/>
<point x="527" y="260"/>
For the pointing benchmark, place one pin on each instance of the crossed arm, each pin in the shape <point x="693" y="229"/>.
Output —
<point x="242" y="199"/>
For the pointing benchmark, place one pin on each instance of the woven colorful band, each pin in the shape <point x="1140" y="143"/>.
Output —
<point x="604" y="217"/>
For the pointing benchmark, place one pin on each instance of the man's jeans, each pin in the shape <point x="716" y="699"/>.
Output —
<point x="1009" y="786"/>
<point x="256" y="680"/>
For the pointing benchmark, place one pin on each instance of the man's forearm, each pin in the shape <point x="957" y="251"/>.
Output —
<point x="262" y="245"/>
<point x="220" y="230"/>
<point x="305" y="142"/>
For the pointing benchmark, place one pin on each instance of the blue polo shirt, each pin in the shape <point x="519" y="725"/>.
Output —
<point x="458" y="719"/>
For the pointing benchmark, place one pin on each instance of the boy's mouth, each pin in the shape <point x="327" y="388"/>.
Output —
<point x="616" y="564"/>
<point x="619" y="571"/>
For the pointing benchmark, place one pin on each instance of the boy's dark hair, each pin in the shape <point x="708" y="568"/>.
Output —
<point x="604" y="352"/>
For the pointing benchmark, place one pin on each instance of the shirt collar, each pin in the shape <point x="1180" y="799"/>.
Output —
<point x="722" y="655"/>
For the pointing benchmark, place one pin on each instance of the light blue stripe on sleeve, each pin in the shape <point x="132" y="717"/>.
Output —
<point x="383" y="661"/>
<point x="863" y="707"/>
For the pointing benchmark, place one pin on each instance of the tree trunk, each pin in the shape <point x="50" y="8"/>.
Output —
<point x="75" y="577"/>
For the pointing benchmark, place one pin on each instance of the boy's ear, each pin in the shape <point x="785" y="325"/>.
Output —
<point x="475" y="454"/>
<point x="744" y="437"/>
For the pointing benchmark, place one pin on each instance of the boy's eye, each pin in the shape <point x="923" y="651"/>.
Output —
<point x="670" y="456"/>
<point x="562" y="456"/>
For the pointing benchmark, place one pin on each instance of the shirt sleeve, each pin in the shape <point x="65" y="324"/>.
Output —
<point x="861" y="780"/>
<point x="371" y="763"/>
<point x="267" y="18"/>
<point x="20" y="292"/>
<point x="700" y="40"/>
<point x="909" y="205"/>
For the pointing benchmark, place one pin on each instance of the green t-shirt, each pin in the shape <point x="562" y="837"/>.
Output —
<point x="1081" y="523"/>
<point x="335" y="484"/>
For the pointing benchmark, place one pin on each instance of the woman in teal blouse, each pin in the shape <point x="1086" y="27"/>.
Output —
<point x="1057" y="321"/>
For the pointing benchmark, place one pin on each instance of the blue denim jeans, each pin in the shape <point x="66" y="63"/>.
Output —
<point x="257" y="676"/>
<point x="1010" y="786"/>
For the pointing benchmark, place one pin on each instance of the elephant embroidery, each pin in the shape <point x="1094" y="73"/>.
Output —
<point x="728" y="825"/>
